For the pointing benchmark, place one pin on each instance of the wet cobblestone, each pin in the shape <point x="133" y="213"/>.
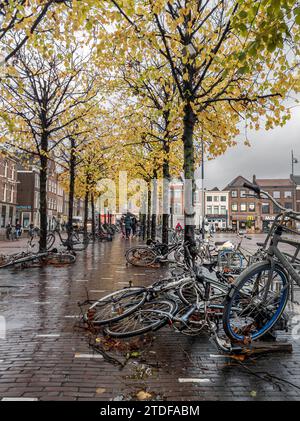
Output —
<point x="39" y="357"/>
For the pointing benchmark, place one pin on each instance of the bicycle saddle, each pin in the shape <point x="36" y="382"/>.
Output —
<point x="259" y="244"/>
<point x="219" y="243"/>
<point x="210" y="266"/>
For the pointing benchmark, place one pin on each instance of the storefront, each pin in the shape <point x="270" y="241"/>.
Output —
<point x="244" y="223"/>
<point x="24" y="215"/>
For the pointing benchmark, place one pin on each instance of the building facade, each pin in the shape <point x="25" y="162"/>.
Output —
<point x="8" y="190"/>
<point x="217" y="208"/>
<point x="28" y="197"/>
<point x="244" y="211"/>
<point x="282" y="190"/>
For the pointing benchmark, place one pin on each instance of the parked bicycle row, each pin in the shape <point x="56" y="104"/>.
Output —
<point x="71" y="242"/>
<point x="236" y="297"/>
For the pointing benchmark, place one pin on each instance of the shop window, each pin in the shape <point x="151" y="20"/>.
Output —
<point x="265" y="208"/>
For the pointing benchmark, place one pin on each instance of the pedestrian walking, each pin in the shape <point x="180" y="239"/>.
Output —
<point x="128" y="225"/>
<point x="18" y="229"/>
<point x="8" y="231"/>
<point x="134" y="223"/>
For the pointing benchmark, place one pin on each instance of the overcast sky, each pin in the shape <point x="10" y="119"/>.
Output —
<point x="268" y="157"/>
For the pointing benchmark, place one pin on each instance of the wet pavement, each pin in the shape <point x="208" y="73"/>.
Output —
<point x="46" y="357"/>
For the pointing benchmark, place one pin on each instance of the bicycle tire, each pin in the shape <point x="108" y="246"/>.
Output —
<point x="158" y="315"/>
<point x="78" y="244"/>
<point x="112" y="299"/>
<point x="235" y="299"/>
<point x="140" y="256"/>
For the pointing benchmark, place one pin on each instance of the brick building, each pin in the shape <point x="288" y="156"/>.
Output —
<point x="244" y="212"/>
<point x="28" y="197"/>
<point x="282" y="190"/>
<point x="8" y="190"/>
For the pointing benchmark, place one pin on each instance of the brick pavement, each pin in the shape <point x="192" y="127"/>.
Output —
<point x="44" y="357"/>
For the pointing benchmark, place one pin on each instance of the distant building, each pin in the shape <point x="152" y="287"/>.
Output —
<point x="8" y="189"/>
<point x="28" y="197"/>
<point x="282" y="190"/>
<point x="296" y="188"/>
<point x="217" y="208"/>
<point x="244" y="212"/>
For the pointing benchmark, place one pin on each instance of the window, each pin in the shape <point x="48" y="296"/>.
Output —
<point x="265" y="208"/>
<point x="177" y="194"/>
<point x="11" y="214"/>
<point x="234" y="207"/>
<point x="243" y="193"/>
<point x="26" y="219"/>
<point x="36" y="181"/>
<point x="209" y="210"/>
<point x="216" y="199"/>
<point x="177" y="208"/>
<point x="223" y="210"/>
<point x="251" y="207"/>
<point x="36" y="199"/>
<point x="216" y="210"/>
<point x="223" y="198"/>
<point x="3" y="216"/>
<point x="276" y="194"/>
<point x="234" y="193"/>
<point x="288" y="205"/>
<point x="209" y="198"/>
<point x="5" y="169"/>
<point x="276" y="209"/>
<point x="12" y="195"/>
<point x="287" y="194"/>
<point x="243" y="207"/>
<point x="5" y="193"/>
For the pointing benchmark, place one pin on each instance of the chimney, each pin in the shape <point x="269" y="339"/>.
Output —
<point x="254" y="179"/>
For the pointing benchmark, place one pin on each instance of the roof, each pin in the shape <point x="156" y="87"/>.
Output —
<point x="274" y="182"/>
<point x="215" y="189"/>
<point x="237" y="182"/>
<point x="296" y="179"/>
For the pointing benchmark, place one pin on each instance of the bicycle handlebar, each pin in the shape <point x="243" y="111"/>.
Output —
<point x="260" y="193"/>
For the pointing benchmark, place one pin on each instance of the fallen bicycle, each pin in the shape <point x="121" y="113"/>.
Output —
<point x="26" y="259"/>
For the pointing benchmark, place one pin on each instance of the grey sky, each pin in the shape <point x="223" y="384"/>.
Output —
<point x="268" y="157"/>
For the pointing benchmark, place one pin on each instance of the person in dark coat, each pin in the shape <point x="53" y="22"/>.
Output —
<point x="128" y="225"/>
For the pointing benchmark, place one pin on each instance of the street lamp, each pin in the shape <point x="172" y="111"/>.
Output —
<point x="294" y="161"/>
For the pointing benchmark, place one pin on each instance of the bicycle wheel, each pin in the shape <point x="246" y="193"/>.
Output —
<point x="50" y="240"/>
<point x="230" y="259"/>
<point x="140" y="256"/>
<point x="116" y="305"/>
<point x="78" y="241"/>
<point x="253" y="306"/>
<point x="190" y="292"/>
<point x="151" y="316"/>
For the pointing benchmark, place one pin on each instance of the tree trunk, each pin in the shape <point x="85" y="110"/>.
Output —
<point x="86" y="211"/>
<point x="149" y="211"/>
<point x="43" y="193"/>
<point x="166" y="189"/>
<point x="93" y="215"/>
<point x="189" y="169"/>
<point x="144" y="218"/>
<point x="154" y="207"/>
<point x="72" y="165"/>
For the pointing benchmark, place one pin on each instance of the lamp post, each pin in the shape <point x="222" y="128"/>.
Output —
<point x="202" y="189"/>
<point x="294" y="161"/>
